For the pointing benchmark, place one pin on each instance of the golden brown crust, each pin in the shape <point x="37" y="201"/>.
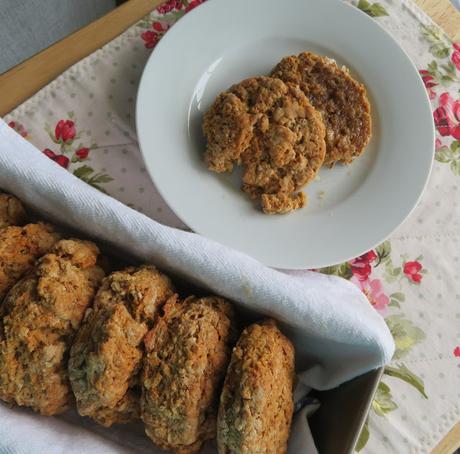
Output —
<point x="187" y="354"/>
<point x="106" y="356"/>
<point x="41" y="315"/>
<point x="282" y="203"/>
<point x="341" y="100"/>
<point x="227" y="127"/>
<point x="256" y="404"/>
<point x="12" y="211"/>
<point x="283" y="146"/>
<point x="19" y="248"/>
<point x="125" y="411"/>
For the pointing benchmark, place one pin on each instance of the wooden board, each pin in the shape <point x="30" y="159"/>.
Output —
<point x="21" y="82"/>
<point x="450" y="443"/>
<point x="444" y="14"/>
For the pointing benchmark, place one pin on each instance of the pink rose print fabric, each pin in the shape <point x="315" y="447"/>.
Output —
<point x="169" y="6"/>
<point x="429" y="82"/>
<point x="151" y="37"/>
<point x="65" y="131"/>
<point x="455" y="57"/>
<point x="447" y="116"/>
<point x="412" y="271"/>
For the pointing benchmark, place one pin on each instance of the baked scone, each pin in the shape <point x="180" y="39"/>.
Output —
<point x="256" y="404"/>
<point x="274" y="132"/>
<point x="106" y="355"/>
<point x="125" y="411"/>
<point x="12" y="211"/>
<point x="187" y="354"/>
<point x="341" y="100"/>
<point x="19" y="248"/>
<point x="41" y="314"/>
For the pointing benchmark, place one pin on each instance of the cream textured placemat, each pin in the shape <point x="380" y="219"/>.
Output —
<point x="84" y="121"/>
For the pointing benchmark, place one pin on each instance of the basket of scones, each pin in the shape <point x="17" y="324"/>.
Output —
<point x="123" y="344"/>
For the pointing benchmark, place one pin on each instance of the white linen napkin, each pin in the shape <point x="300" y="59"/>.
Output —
<point x="336" y="332"/>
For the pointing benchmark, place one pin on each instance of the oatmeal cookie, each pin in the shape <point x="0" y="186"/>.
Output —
<point x="282" y="202"/>
<point x="341" y="100"/>
<point x="256" y="404"/>
<point x="11" y="211"/>
<point x="187" y="353"/>
<point x="106" y="355"/>
<point x="227" y="127"/>
<point x="283" y="146"/>
<point x="42" y="312"/>
<point x="19" y="248"/>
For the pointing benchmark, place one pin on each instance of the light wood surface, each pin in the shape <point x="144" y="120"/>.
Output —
<point x="450" y="442"/>
<point x="25" y="79"/>
<point x="444" y="14"/>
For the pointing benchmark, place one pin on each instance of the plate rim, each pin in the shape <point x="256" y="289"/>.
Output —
<point x="283" y="265"/>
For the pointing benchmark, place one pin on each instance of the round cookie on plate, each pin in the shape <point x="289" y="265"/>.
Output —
<point x="270" y="128"/>
<point x="341" y="100"/>
<point x="228" y="129"/>
<point x="256" y="404"/>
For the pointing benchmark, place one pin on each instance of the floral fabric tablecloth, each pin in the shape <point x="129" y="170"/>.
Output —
<point x="84" y="121"/>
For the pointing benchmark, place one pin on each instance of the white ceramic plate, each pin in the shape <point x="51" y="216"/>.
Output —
<point x="351" y="208"/>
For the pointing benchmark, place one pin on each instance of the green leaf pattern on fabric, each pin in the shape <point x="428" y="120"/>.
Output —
<point x="450" y="155"/>
<point x="444" y="74"/>
<point x="363" y="437"/>
<point x="405" y="333"/>
<point x="372" y="9"/>
<point x="439" y="45"/>
<point x="383" y="401"/>
<point x="383" y="251"/>
<point x="403" y="373"/>
<point x="342" y="270"/>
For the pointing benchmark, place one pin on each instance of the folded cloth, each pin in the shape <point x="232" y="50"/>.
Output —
<point x="337" y="333"/>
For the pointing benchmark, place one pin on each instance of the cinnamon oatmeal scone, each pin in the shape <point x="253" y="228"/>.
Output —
<point x="41" y="314"/>
<point x="12" y="211"/>
<point x="187" y="354"/>
<point x="341" y="100"/>
<point x="256" y="404"/>
<point x="280" y="140"/>
<point x="106" y="355"/>
<point x="125" y="411"/>
<point x="19" y="248"/>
